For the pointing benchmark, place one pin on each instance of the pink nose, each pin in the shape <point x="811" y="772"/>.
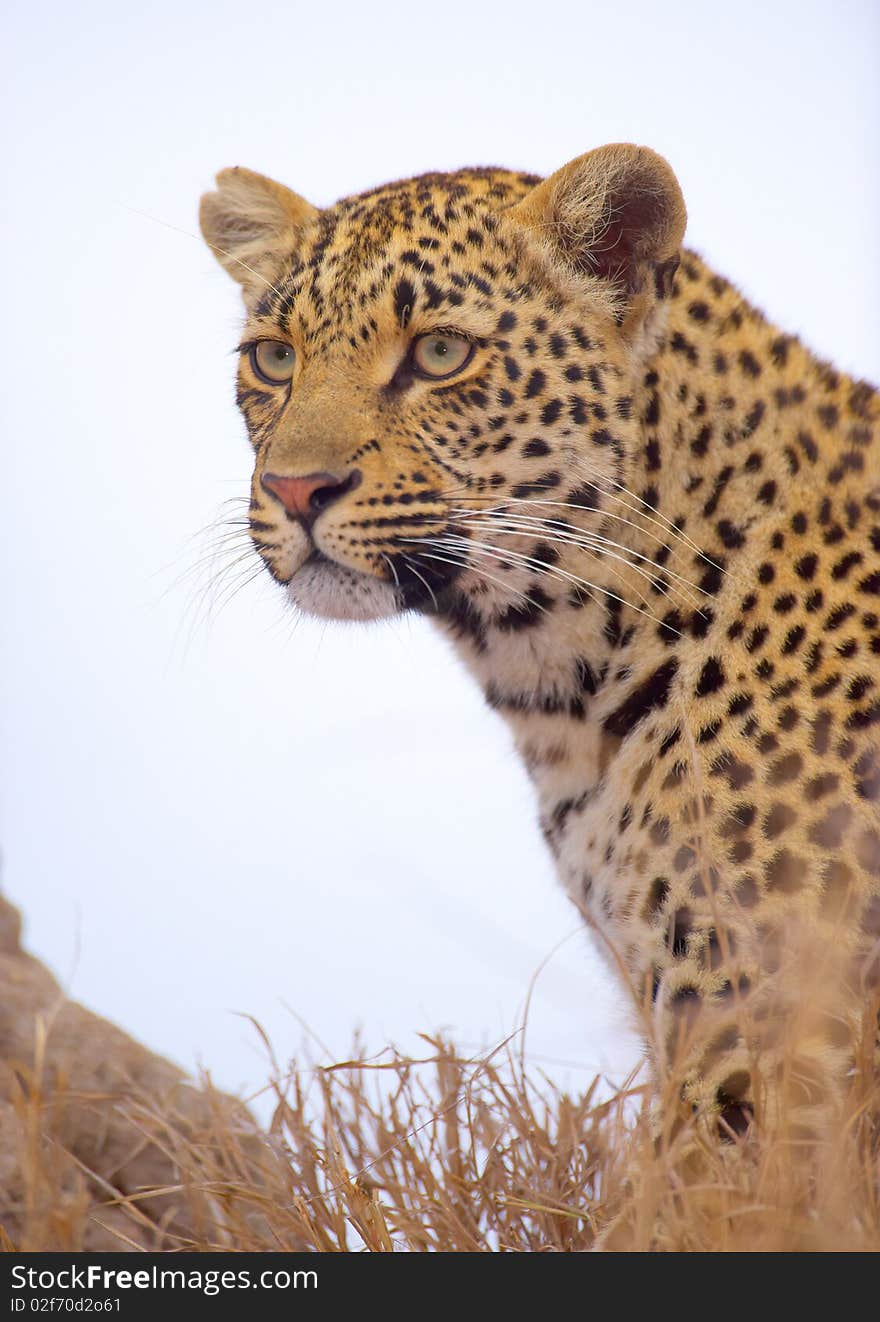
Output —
<point x="306" y="497"/>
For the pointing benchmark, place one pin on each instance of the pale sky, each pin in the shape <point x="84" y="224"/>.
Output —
<point x="203" y="820"/>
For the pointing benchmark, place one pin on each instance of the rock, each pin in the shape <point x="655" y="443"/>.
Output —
<point x="91" y="1121"/>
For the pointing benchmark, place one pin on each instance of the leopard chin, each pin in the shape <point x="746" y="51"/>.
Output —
<point x="332" y="592"/>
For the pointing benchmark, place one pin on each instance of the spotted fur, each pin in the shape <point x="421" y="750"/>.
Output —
<point x="650" y="523"/>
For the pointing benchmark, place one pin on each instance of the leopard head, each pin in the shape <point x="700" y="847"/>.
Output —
<point x="417" y="356"/>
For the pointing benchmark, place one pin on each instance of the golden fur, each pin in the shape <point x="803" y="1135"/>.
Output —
<point x="649" y="522"/>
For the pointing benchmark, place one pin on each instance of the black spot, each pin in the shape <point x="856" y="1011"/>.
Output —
<point x="596" y="379"/>
<point x="404" y="302"/>
<point x="712" y="578"/>
<point x="535" y="448"/>
<point x="711" y="678"/>
<point x="656" y="899"/>
<point x="793" y="639"/>
<point x="806" y="567"/>
<point x="700" y="443"/>
<point x="651" y="693"/>
<point x="434" y="294"/>
<point x="525" y="614"/>
<point x="612" y="631"/>
<point x="779" y="350"/>
<point x="545" y="554"/>
<point x="467" y="621"/>
<point x="680" y="344"/>
<point x="546" y="482"/>
<point x="578" y="410"/>
<point x="586" y="497"/>
<point x="681" y="930"/>
<point x="753" y="417"/>
<point x="535" y="383"/>
<point x="586" y="676"/>
<point x="749" y="363"/>
<point x="671" y="626"/>
<point x="839" y="615"/>
<point x="670" y="741"/>
<point x="808" y="445"/>
<point x="730" y="535"/>
<point x="865" y="717"/>
<point x="721" y="482"/>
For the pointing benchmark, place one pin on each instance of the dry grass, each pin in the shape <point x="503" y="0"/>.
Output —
<point x="462" y="1154"/>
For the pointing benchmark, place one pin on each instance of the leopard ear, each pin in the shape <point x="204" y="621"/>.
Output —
<point x="618" y="216"/>
<point x="251" y="224"/>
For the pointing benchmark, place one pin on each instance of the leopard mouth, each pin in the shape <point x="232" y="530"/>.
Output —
<point x="324" y="588"/>
<point x="424" y="581"/>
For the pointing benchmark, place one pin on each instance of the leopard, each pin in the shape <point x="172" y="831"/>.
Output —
<point x="648" y="522"/>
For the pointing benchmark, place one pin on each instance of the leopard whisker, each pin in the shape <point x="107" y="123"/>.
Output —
<point x="231" y="590"/>
<point x="518" y="525"/>
<point x="419" y="576"/>
<point x="208" y="560"/>
<point x="478" y="570"/>
<point x="552" y="571"/>
<point x="390" y="563"/>
<point x="203" y="605"/>
<point x="609" y="485"/>
<point x="214" y="568"/>
<point x="675" y="534"/>
<point x="205" y="564"/>
<point x="605" y="514"/>
<point x="585" y="543"/>
<point x="639" y="507"/>
<point x="541" y="567"/>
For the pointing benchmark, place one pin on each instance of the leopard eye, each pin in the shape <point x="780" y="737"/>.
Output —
<point x="440" y="354"/>
<point x="272" y="361"/>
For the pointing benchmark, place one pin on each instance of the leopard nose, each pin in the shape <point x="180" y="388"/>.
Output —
<point x="305" y="498"/>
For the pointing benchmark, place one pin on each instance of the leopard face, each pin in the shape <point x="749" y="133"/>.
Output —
<point x="416" y="356"/>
